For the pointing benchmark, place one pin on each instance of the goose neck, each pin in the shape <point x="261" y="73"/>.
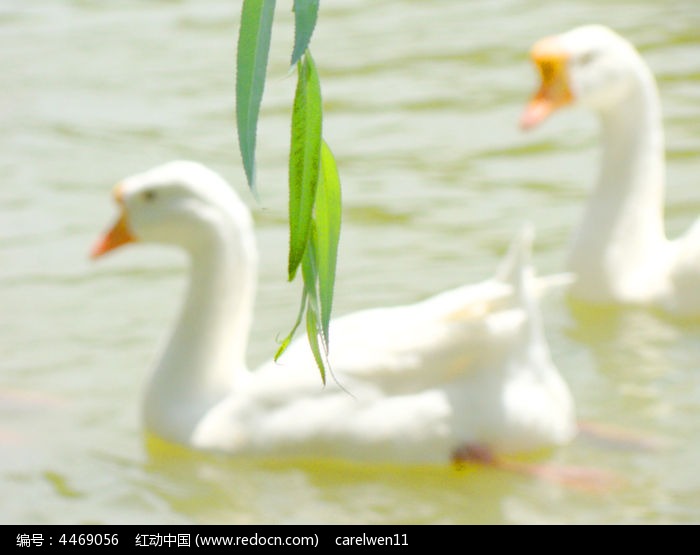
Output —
<point x="623" y="225"/>
<point x="207" y="347"/>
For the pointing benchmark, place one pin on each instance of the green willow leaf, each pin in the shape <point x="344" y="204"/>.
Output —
<point x="305" y="14"/>
<point x="313" y="329"/>
<point x="287" y="340"/>
<point x="304" y="159"/>
<point x="310" y="274"/>
<point x="312" y="334"/>
<point x="327" y="233"/>
<point x="251" y="65"/>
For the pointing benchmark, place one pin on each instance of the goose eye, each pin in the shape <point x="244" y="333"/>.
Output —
<point x="149" y="195"/>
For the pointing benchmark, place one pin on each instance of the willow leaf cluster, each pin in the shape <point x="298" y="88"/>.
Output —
<point x="314" y="184"/>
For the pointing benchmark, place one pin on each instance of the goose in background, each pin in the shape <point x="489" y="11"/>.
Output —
<point x="620" y="253"/>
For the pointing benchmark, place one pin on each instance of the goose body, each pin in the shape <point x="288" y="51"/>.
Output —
<point x="469" y="366"/>
<point x="620" y="252"/>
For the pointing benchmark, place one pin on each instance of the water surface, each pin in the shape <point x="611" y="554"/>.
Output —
<point x="421" y="104"/>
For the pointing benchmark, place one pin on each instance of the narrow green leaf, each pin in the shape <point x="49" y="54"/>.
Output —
<point x="304" y="159"/>
<point x="312" y="333"/>
<point x="305" y="14"/>
<point x="313" y="329"/>
<point x="251" y="65"/>
<point x="287" y="340"/>
<point x="310" y="274"/>
<point x="327" y="233"/>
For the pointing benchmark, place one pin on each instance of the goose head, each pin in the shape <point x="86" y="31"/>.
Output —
<point x="181" y="203"/>
<point x="591" y="65"/>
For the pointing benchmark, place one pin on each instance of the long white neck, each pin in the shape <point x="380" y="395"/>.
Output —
<point x="623" y="227"/>
<point x="207" y="347"/>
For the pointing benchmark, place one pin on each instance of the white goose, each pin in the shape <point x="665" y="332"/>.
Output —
<point x="620" y="253"/>
<point x="465" y="372"/>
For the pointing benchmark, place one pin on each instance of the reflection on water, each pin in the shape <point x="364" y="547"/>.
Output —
<point x="627" y="343"/>
<point x="421" y="104"/>
<point x="210" y="488"/>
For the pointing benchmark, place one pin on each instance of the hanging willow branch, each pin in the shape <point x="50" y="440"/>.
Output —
<point x="314" y="184"/>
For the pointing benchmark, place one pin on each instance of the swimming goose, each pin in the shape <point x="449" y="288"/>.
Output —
<point x="620" y="253"/>
<point x="419" y="383"/>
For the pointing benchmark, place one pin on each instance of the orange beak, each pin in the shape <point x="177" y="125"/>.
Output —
<point x="550" y="59"/>
<point x="118" y="235"/>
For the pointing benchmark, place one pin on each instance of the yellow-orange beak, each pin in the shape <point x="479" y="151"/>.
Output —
<point x="554" y="92"/>
<point x="119" y="234"/>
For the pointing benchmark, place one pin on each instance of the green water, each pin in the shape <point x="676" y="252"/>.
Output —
<point x="421" y="107"/>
